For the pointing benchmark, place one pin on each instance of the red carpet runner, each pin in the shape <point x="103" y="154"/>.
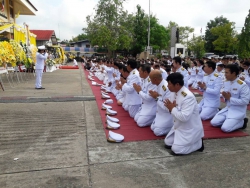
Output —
<point x="132" y="132"/>
<point x="68" y="67"/>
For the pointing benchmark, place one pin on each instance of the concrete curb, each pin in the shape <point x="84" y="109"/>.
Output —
<point x="24" y="99"/>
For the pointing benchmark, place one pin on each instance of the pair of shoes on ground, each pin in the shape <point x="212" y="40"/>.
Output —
<point x="39" y="88"/>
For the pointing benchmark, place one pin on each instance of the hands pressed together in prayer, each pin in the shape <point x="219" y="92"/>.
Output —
<point x="137" y="87"/>
<point x="226" y="95"/>
<point x="153" y="94"/>
<point x="202" y="85"/>
<point x="170" y="105"/>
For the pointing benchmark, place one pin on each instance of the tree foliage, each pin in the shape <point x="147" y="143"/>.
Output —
<point x="140" y="33"/>
<point x="209" y="37"/>
<point x="226" y="38"/>
<point x="106" y="29"/>
<point x="244" y="39"/>
<point x="197" y="46"/>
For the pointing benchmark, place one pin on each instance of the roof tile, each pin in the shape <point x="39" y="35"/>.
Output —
<point x="43" y="34"/>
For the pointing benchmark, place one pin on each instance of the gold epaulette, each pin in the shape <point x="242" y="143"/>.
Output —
<point x="239" y="82"/>
<point x="164" y="88"/>
<point x="184" y="94"/>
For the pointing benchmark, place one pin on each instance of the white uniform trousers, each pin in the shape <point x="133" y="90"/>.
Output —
<point x="119" y="96"/>
<point x="114" y="91"/>
<point x="133" y="109"/>
<point x="162" y="124"/>
<point x="227" y="124"/>
<point x="125" y="106"/>
<point x="39" y="75"/>
<point x="178" y="149"/>
<point x="207" y="112"/>
<point x="144" y="120"/>
<point x="191" y="81"/>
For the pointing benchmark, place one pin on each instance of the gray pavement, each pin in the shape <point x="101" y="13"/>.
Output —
<point x="60" y="142"/>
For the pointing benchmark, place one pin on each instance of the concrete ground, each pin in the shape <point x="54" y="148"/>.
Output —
<point x="54" y="138"/>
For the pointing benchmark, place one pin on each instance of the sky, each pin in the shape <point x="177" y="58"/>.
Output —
<point x="68" y="17"/>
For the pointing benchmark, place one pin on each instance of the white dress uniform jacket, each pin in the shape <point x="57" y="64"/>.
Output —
<point x="199" y="77"/>
<point x="132" y="100"/>
<point x="163" y="121"/>
<point x="187" y="133"/>
<point x="185" y="74"/>
<point x="146" y="114"/>
<point x="192" y="75"/>
<point x="210" y="102"/>
<point x="40" y="58"/>
<point x="232" y="116"/>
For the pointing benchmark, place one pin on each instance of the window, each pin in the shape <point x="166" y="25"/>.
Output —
<point x="87" y="45"/>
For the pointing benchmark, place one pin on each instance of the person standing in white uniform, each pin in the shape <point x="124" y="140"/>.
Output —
<point x="41" y="56"/>
<point x="237" y="95"/>
<point x="146" y="114"/>
<point x="187" y="133"/>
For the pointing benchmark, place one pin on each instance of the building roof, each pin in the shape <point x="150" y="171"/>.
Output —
<point x="43" y="34"/>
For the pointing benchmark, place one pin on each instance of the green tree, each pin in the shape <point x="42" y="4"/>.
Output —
<point x="209" y="37"/>
<point x="158" y="34"/>
<point x="244" y="39"/>
<point x="106" y="29"/>
<point x="140" y="33"/>
<point x="197" y="46"/>
<point x="226" y="38"/>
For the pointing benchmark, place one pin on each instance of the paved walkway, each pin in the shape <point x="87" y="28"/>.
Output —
<point x="57" y="140"/>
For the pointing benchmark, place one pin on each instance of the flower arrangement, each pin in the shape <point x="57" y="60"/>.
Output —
<point x="33" y="50"/>
<point x="28" y="63"/>
<point x="19" y="52"/>
<point x="7" y="54"/>
<point x="50" y="62"/>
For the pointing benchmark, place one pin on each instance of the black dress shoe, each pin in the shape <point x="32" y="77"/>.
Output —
<point x="174" y="154"/>
<point x="168" y="147"/>
<point x="39" y="88"/>
<point x="202" y="147"/>
<point x="245" y="123"/>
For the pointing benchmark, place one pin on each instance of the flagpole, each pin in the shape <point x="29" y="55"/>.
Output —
<point x="149" y="29"/>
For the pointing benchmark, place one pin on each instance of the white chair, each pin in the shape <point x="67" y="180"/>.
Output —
<point x="3" y="70"/>
<point x="11" y="71"/>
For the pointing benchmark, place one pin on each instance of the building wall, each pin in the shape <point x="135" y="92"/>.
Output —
<point x="83" y="44"/>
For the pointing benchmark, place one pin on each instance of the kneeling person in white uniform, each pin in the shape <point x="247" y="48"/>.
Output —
<point x="146" y="114"/>
<point x="132" y="101"/>
<point x="210" y="86"/>
<point x="237" y="96"/>
<point x="187" y="133"/>
<point x="163" y="121"/>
